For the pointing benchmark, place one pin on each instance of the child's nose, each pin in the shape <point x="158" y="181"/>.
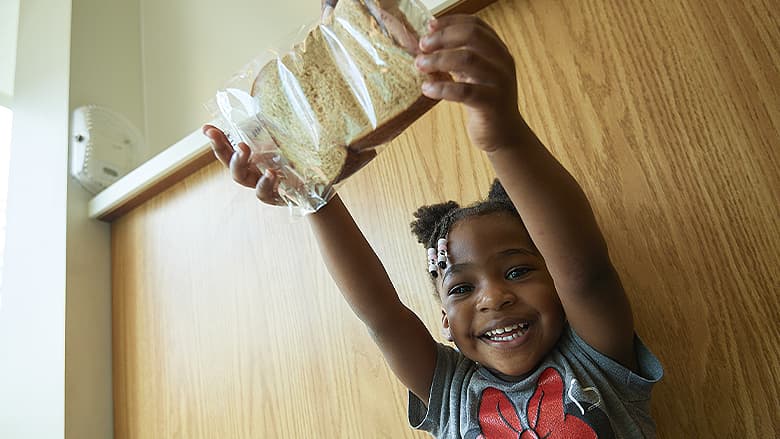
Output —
<point x="495" y="298"/>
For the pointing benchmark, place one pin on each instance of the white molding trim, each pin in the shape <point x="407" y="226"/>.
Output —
<point x="148" y="174"/>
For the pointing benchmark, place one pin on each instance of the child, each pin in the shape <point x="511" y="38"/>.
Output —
<point x="544" y="332"/>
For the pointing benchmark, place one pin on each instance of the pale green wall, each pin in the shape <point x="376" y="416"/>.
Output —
<point x="106" y="57"/>
<point x="9" y="15"/>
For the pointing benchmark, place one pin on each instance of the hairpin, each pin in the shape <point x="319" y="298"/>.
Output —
<point x="441" y="246"/>
<point x="432" y="262"/>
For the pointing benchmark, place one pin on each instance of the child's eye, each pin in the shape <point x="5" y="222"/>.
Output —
<point x="460" y="289"/>
<point x="517" y="273"/>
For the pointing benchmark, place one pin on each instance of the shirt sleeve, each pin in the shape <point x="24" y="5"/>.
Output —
<point x="432" y="417"/>
<point x="633" y="386"/>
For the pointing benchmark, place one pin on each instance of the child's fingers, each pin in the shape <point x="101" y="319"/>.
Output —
<point x="240" y="169"/>
<point x="267" y="189"/>
<point x="475" y="95"/>
<point x="219" y="144"/>
<point x="465" y="31"/>
<point x="458" y="19"/>
<point x="465" y="63"/>
<point x="244" y="173"/>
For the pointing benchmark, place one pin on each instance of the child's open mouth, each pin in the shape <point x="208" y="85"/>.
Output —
<point x="507" y="333"/>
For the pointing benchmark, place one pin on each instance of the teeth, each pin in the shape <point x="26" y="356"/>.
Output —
<point x="498" y="331"/>
<point x="506" y="337"/>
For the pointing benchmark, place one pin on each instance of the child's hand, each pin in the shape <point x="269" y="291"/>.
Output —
<point x="244" y="172"/>
<point x="483" y="73"/>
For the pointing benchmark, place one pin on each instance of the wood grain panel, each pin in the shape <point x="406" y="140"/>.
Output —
<point x="668" y="113"/>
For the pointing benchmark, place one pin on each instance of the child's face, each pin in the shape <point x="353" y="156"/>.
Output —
<point x="496" y="280"/>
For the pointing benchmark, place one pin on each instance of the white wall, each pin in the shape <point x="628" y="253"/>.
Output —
<point x="9" y="15"/>
<point x="32" y="317"/>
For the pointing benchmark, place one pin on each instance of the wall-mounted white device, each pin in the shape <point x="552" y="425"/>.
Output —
<point x="104" y="145"/>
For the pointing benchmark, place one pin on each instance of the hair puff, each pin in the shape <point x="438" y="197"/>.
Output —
<point x="427" y="218"/>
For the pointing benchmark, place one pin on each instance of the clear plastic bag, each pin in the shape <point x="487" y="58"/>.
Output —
<point x="317" y="112"/>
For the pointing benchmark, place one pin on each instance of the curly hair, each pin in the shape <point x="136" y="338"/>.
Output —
<point x="435" y="221"/>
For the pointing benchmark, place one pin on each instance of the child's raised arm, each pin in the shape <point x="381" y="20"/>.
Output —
<point x="552" y="205"/>
<point x="406" y="344"/>
<point x="408" y="347"/>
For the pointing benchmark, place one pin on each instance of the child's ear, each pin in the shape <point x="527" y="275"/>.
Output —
<point x="445" y="327"/>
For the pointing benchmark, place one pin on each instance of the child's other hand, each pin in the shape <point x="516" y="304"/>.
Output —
<point x="483" y="77"/>
<point x="244" y="172"/>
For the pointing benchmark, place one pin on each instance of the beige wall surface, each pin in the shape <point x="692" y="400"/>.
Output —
<point x="226" y="324"/>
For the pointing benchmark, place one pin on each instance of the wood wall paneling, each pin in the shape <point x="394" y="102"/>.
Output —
<point x="668" y="114"/>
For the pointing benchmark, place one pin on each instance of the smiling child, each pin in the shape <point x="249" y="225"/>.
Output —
<point x="543" y="330"/>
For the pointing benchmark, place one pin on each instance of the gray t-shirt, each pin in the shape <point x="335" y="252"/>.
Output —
<point x="576" y="392"/>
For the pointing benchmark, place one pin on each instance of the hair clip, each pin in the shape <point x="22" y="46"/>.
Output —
<point x="432" y="262"/>
<point x="441" y="246"/>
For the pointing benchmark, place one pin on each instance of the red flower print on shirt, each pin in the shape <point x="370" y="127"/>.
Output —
<point x="546" y="417"/>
